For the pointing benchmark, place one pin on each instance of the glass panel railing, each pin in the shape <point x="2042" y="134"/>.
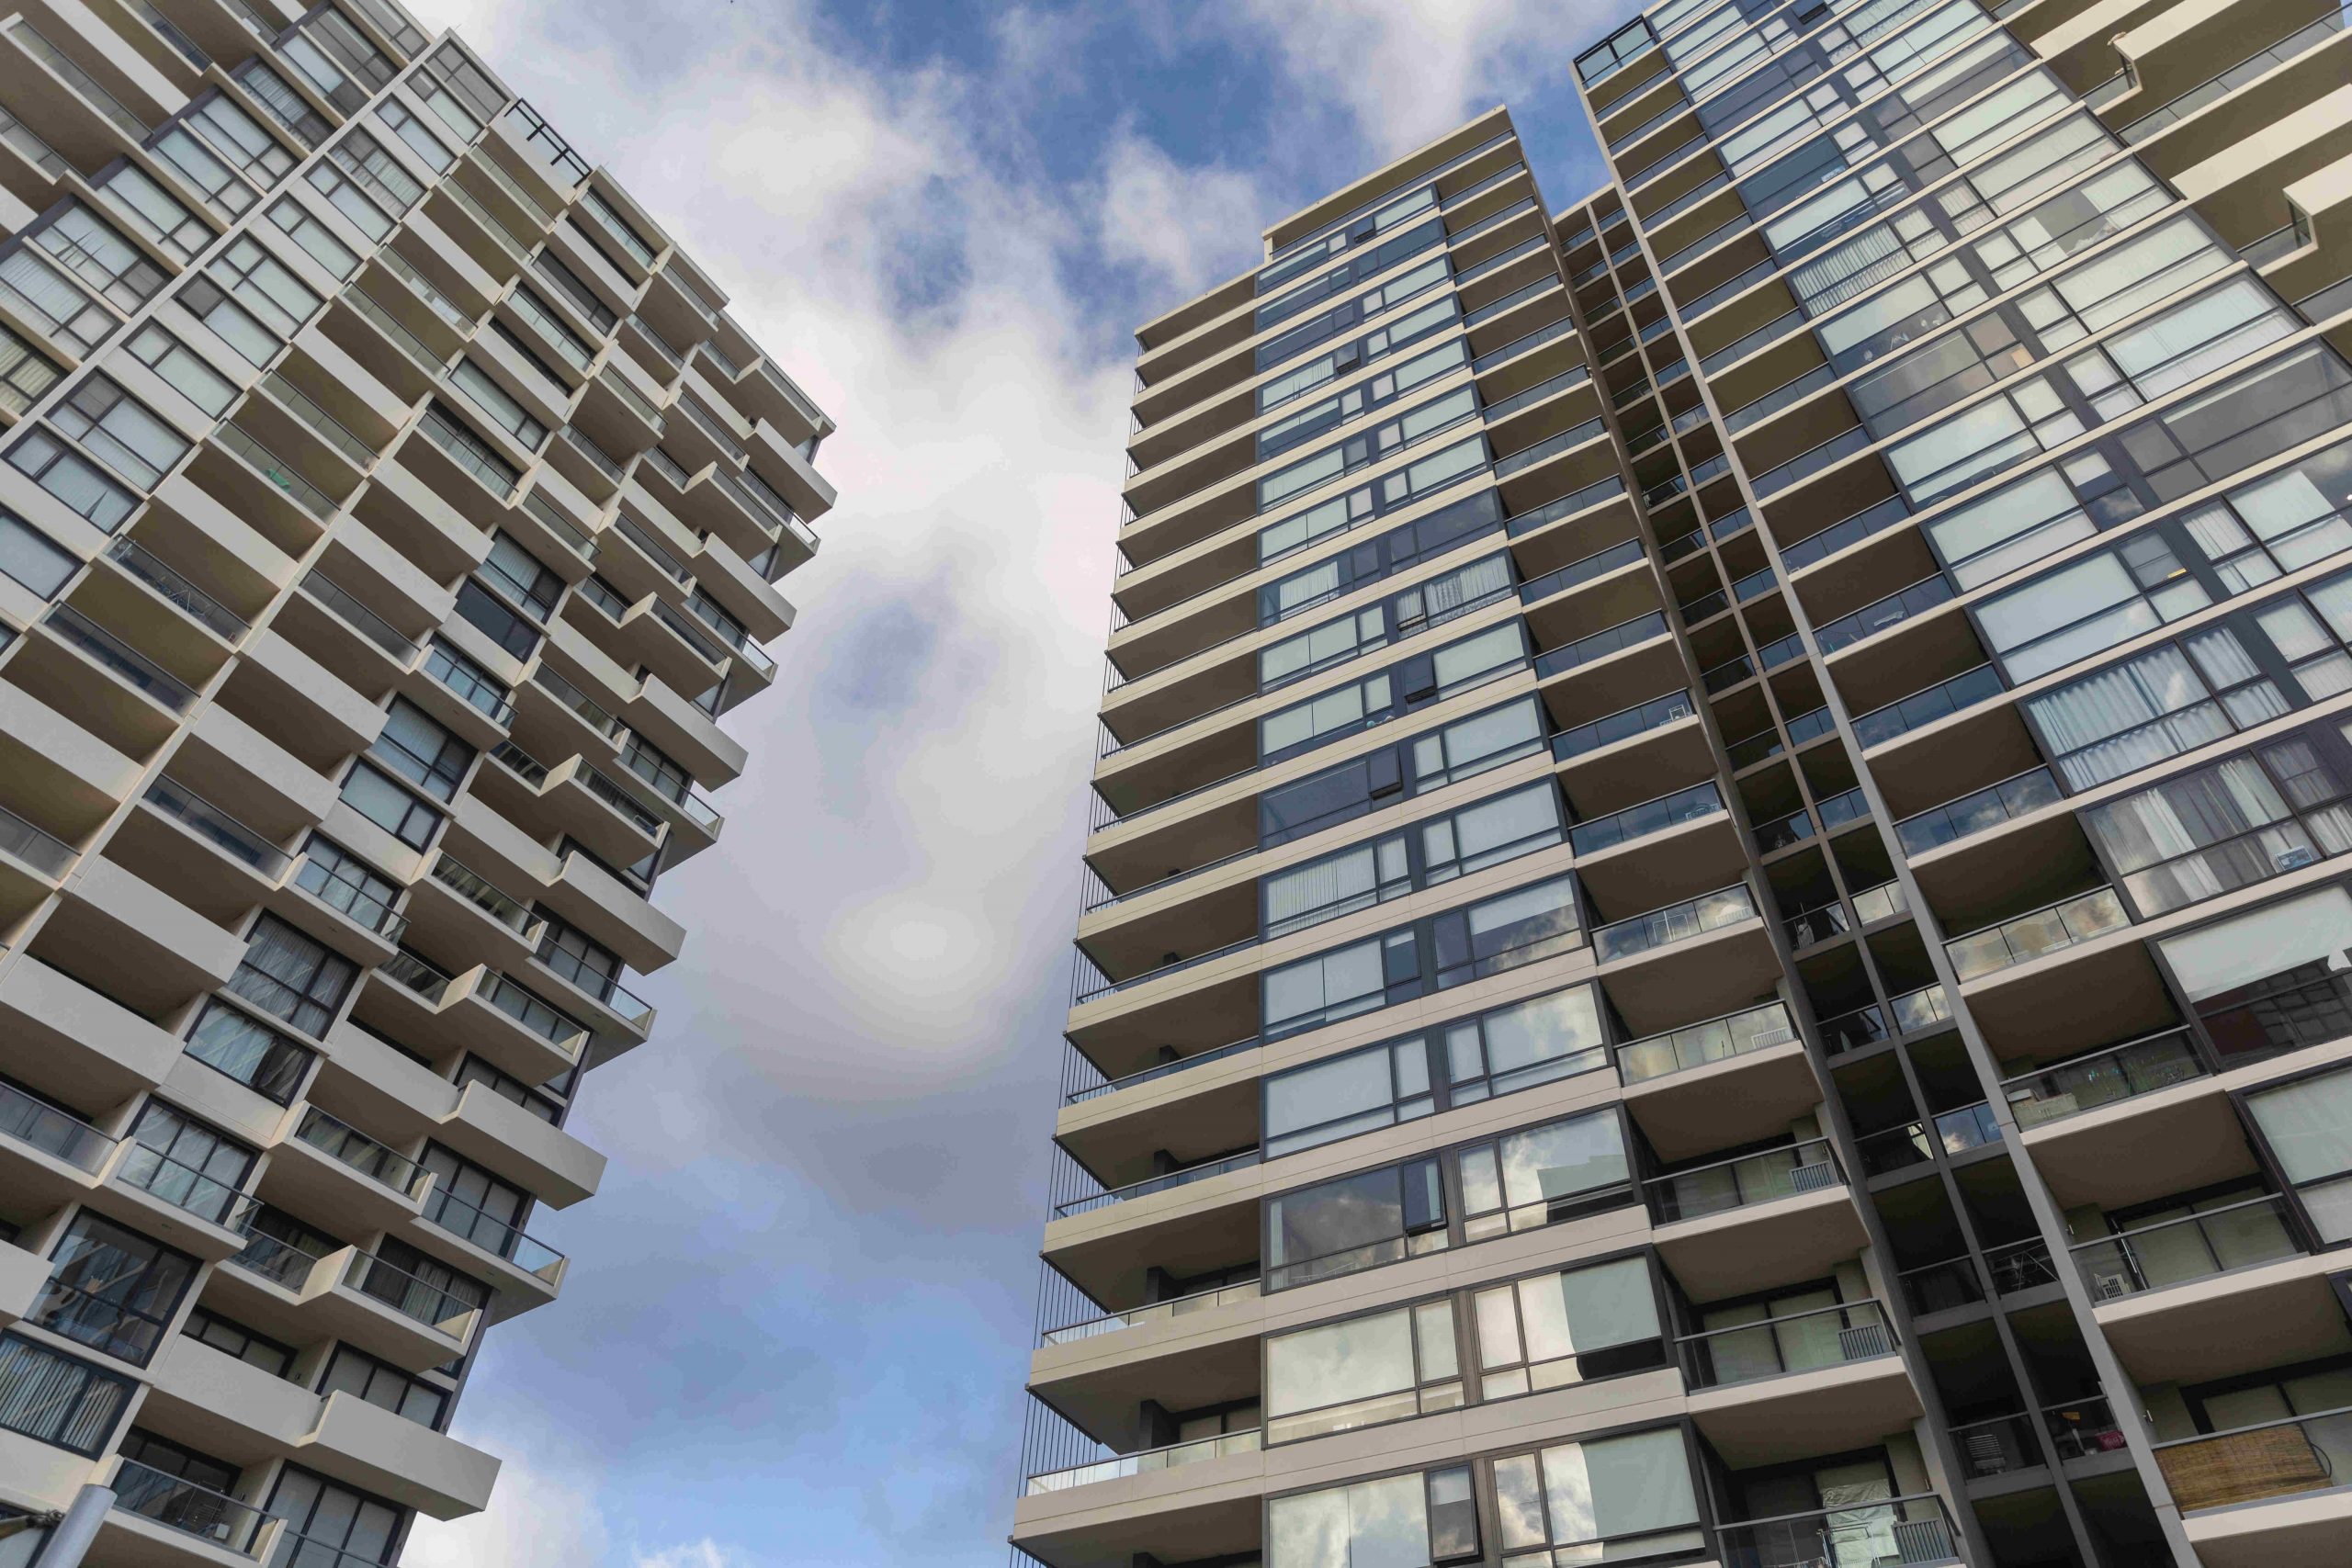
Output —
<point x="2036" y="932"/>
<point x="2180" y="107"/>
<point x="412" y="1298"/>
<point x="1550" y="446"/>
<point x="279" y="1262"/>
<point x="1691" y="805"/>
<point x="2278" y="1459"/>
<point x="1901" y="1530"/>
<point x="406" y="969"/>
<point x="71" y="627"/>
<point x="1811" y="461"/>
<point x="623" y="803"/>
<point x="1749" y="1179"/>
<point x="576" y="702"/>
<point x="362" y="619"/>
<point x="531" y="1013"/>
<point x="494" y="474"/>
<point x="1154" y="1312"/>
<point x="1697" y="1044"/>
<point x="329" y="430"/>
<point x="1102" y="1085"/>
<point x="571" y="534"/>
<point x="1916" y="1142"/>
<point x="1896" y="608"/>
<point x="469" y="1222"/>
<point x="1782" y="832"/>
<point x="263" y="461"/>
<point x="2102" y="1077"/>
<point x="347" y="1145"/>
<point x="1788" y="393"/>
<point x="1926" y="706"/>
<point x="166" y="583"/>
<point x="30" y="846"/>
<point x="1145" y="1462"/>
<point x="1798" y="1342"/>
<point x="598" y="459"/>
<point x="2021" y="1265"/>
<point x="1623" y="725"/>
<point x="440" y="304"/>
<point x="346" y="893"/>
<point x="1676" y="922"/>
<point x="1537" y="393"/>
<point x="481" y="892"/>
<point x="40" y="1126"/>
<point x="214" y="1516"/>
<point x="1978" y="811"/>
<point x="1584" y="650"/>
<point x="401" y="338"/>
<point x="2214" y="1239"/>
<point x="169" y="798"/>
<point x="1174" y="1179"/>
<point x="1872" y="519"/>
<point x="1591" y="495"/>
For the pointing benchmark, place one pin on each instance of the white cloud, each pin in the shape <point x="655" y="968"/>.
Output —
<point x="703" y="1553"/>
<point x="534" y="1519"/>
<point x="1188" y="228"/>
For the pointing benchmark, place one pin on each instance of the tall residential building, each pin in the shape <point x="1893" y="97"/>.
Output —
<point x="1716" y="927"/>
<point x="390" y="514"/>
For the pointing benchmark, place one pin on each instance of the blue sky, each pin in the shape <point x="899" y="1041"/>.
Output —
<point x="798" y="1313"/>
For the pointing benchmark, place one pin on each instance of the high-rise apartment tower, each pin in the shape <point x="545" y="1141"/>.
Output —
<point x="389" y="517"/>
<point x="1716" y="922"/>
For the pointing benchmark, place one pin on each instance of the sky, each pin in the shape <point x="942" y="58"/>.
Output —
<point x="799" y="1311"/>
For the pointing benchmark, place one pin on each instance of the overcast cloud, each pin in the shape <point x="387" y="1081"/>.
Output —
<point x="798" y="1315"/>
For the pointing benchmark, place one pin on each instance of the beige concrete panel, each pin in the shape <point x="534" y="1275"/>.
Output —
<point x="399" y="1459"/>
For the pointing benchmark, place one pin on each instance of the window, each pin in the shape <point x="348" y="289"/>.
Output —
<point x="384" y="1386"/>
<point x="1359" y="1093"/>
<point x="230" y="321"/>
<point x="210" y="178"/>
<point x="72" y="478"/>
<point x="54" y="1399"/>
<point x="113" y="267"/>
<point x="168" y="1458"/>
<point x="182" y="370"/>
<point x="336" y="58"/>
<point x="185" y="1163"/>
<point x="1386" y="556"/>
<point x="111" y="1288"/>
<point x="1322" y="328"/>
<point x="497" y="403"/>
<point x="541" y="315"/>
<point x="470" y="1202"/>
<point x="1458" y="750"/>
<point x="26" y="373"/>
<point x="366" y="184"/>
<point x="1614" y="1498"/>
<point x="1341" y="711"/>
<point x="571" y="953"/>
<point x="1361" y="451"/>
<point x="278" y="99"/>
<point x="540" y="1102"/>
<point x="235" y="1340"/>
<point x="2270" y="979"/>
<point x="155" y="212"/>
<point x="1341" y="983"/>
<point x="1529" y="1180"/>
<point x="33" y="558"/>
<point x="415" y="746"/>
<point x="1525" y="1043"/>
<point x="1322" y="371"/>
<point x="416" y="135"/>
<point x="454" y="87"/>
<point x="584" y="299"/>
<point x="1506" y="931"/>
<point x="1567" y="1326"/>
<point x="2308" y="1125"/>
<point x="238" y="139"/>
<point x="119" y="431"/>
<point x="621" y="231"/>
<point x="332" y="1524"/>
<point x="345" y="883"/>
<point x="1628" y="43"/>
<point x="1399" y="1522"/>
<point x="41" y="295"/>
<point x="289" y="976"/>
<point x="1422" y="679"/>
<point x="317" y="241"/>
<point x="2229" y="824"/>
<point x="264" y="286"/>
<point x="1352" y="509"/>
<point x="1355" y="1222"/>
<point x="2094" y="604"/>
<point x="374" y="796"/>
<point x="1430" y="603"/>
<point x="242" y="1047"/>
<point x="1361" y="1371"/>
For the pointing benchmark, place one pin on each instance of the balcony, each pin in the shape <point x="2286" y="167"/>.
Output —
<point x="1145" y="1462"/>
<point x="1927" y="1008"/>
<point x="2037" y="933"/>
<point x="329" y="1165"/>
<point x="1718" y="1084"/>
<point x="2103" y="1077"/>
<point x="159" y="1501"/>
<point x="1788" y="1388"/>
<point x="526" y="1272"/>
<point x="52" y="1158"/>
<point x="1912" y="1532"/>
<point x="1157" y="1312"/>
<point x="2269" y="1495"/>
<point x="1953" y="1133"/>
<point x="1755" y="1221"/>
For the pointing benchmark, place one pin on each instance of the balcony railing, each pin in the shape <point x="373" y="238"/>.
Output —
<point x="279" y="1262"/>
<point x="1621" y="725"/>
<point x="71" y="627"/>
<point x="2102" y="1077"/>
<point x="1145" y="1462"/>
<point x="349" y="898"/>
<point x="2186" y="104"/>
<point x="1174" y="1179"/>
<point x="263" y="461"/>
<point x="1978" y="811"/>
<point x="1550" y="446"/>
<point x="2021" y="1265"/>
<point x="1584" y="650"/>
<point x="175" y="590"/>
<point x="1691" y="805"/>
<point x="577" y="702"/>
<point x="410" y="1297"/>
<point x="1940" y="1287"/>
<point x="1155" y="1312"/>
<point x="571" y="534"/>
<point x="362" y="619"/>
<point x="1537" y="393"/>
<point x="1922" y="1009"/>
<point x="171" y="799"/>
<point x="215" y="1517"/>
<point x="469" y="1222"/>
<point x="1896" y="608"/>
<point x="1800" y="1342"/>
<point x="2249" y="1464"/>
<point x="408" y="971"/>
<point x="1901" y="1530"/>
<point x="481" y="892"/>
<point x="1102" y="1085"/>
<point x="320" y="423"/>
<point x="532" y="1013"/>
<point x="1744" y="1181"/>
<point x="401" y="338"/>
<point x="1697" y="1045"/>
<point x="2041" y="932"/>
<point x="1926" y="706"/>
<point x="1676" y="922"/>
<point x="2197" y="1246"/>
<point x="39" y="1126"/>
<point x="350" y="1146"/>
<point x="1915" y="1142"/>
<point x="28" y="845"/>
<point x="1872" y="519"/>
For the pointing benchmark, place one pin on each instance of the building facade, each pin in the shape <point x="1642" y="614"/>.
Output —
<point x="1716" y="924"/>
<point x="390" y="515"/>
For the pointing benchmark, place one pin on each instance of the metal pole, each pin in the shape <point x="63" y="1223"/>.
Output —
<point x="70" y="1540"/>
